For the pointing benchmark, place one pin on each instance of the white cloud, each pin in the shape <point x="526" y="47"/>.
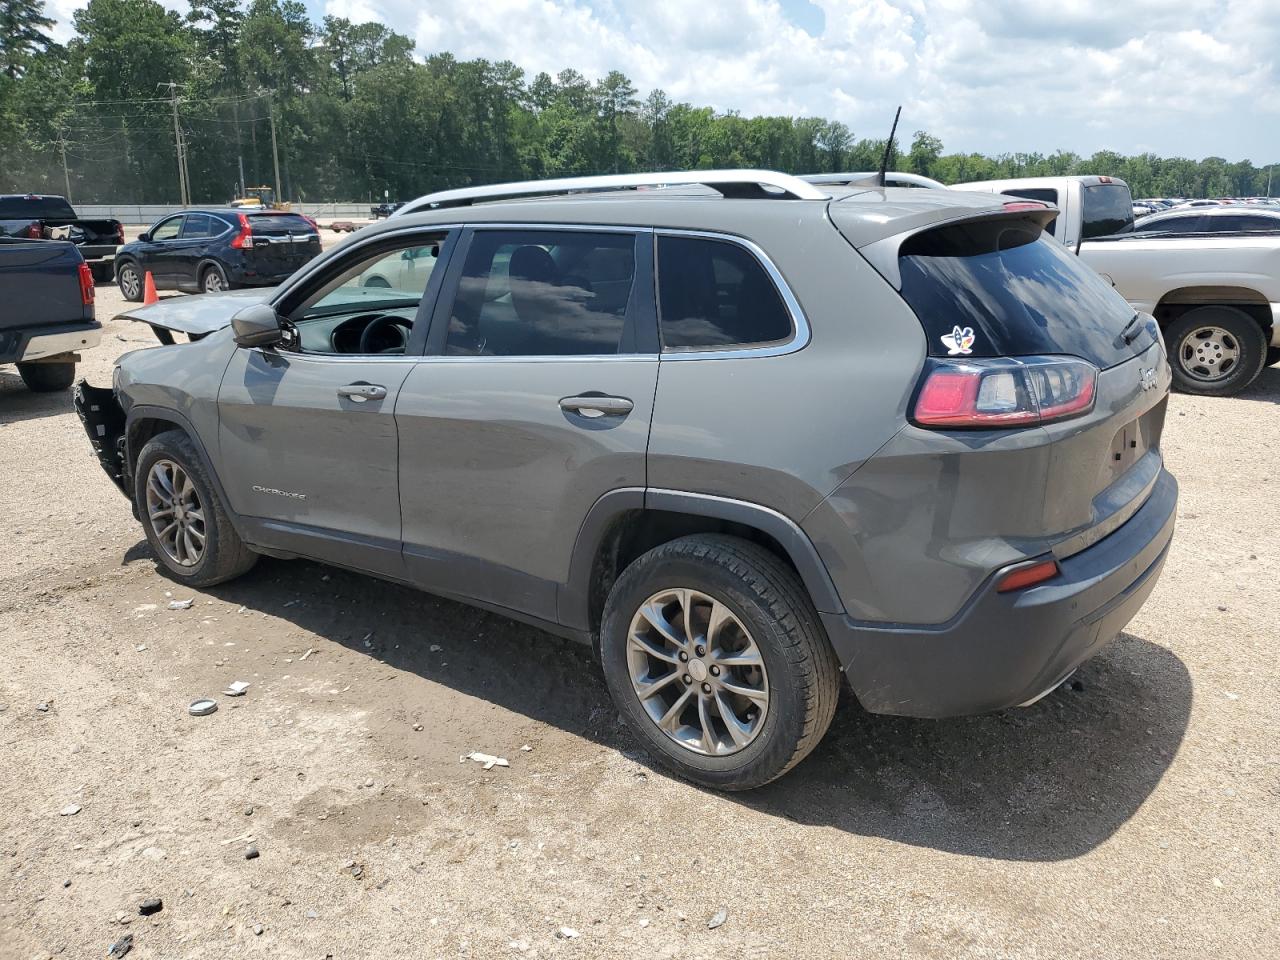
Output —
<point x="1194" y="78"/>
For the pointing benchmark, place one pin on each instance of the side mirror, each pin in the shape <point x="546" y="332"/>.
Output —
<point x="145" y="236"/>
<point x="257" y="326"/>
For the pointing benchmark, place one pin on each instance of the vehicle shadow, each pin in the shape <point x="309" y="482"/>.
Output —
<point x="1045" y="783"/>
<point x="1266" y="387"/>
<point x="17" y="403"/>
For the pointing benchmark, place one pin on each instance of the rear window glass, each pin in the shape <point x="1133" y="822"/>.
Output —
<point x="1108" y="209"/>
<point x="536" y="293"/>
<point x="1002" y="288"/>
<point x="35" y="208"/>
<point x="279" y="223"/>
<point x="1044" y="195"/>
<point x="715" y="294"/>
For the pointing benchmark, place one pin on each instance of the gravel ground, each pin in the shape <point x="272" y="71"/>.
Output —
<point x="1135" y="816"/>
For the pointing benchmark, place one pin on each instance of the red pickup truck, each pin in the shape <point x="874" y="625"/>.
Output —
<point x="30" y="216"/>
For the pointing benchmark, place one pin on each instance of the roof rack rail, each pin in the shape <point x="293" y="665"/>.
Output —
<point x="749" y="184"/>
<point x="872" y="179"/>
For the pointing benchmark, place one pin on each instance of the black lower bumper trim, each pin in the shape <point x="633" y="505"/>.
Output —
<point x="1004" y="649"/>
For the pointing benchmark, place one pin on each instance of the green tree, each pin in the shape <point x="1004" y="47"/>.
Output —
<point x="23" y="34"/>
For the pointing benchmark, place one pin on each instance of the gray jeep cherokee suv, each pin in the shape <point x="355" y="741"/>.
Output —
<point x="741" y="432"/>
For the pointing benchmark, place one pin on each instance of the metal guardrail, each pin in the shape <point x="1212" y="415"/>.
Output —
<point x="148" y="213"/>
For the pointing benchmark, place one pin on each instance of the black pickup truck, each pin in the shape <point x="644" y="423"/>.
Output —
<point x="33" y="217"/>
<point x="46" y="310"/>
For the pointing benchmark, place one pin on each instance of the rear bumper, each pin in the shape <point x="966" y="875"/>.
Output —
<point x="39" y="343"/>
<point x="97" y="253"/>
<point x="1003" y="650"/>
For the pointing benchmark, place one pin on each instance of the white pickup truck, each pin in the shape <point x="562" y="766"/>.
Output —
<point x="1216" y="296"/>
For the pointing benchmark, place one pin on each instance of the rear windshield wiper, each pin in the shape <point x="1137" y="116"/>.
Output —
<point x="1125" y="334"/>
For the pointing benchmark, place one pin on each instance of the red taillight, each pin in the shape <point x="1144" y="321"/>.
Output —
<point x="35" y="231"/>
<point x="1029" y="575"/>
<point x="120" y="233"/>
<point x="86" y="285"/>
<point x="245" y="237"/>
<point x="1004" y="392"/>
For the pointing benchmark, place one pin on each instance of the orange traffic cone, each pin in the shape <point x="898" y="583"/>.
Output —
<point x="149" y="290"/>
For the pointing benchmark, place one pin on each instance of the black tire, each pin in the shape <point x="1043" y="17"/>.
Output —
<point x="225" y="556"/>
<point x="1246" y="339"/>
<point x="769" y="600"/>
<point x="47" y="377"/>
<point x="213" y="279"/>
<point x="130" y="281"/>
<point x="1273" y="356"/>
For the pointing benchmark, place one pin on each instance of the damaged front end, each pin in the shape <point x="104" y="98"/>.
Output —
<point x="104" y="422"/>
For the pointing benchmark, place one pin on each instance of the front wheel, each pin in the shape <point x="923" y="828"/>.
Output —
<point x="1215" y="351"/>
<point x="716" y="659"/>
<point x="183" y="519"/>
<point x="47" y="377"/>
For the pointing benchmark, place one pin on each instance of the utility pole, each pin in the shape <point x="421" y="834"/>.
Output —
<point x="184" y="188"/>
<point x="1269" y="169"/>
<point x="275" y="151"/>
<point x="66" y="175"/>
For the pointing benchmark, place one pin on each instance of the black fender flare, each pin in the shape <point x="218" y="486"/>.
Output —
<point x="573" y="602"/>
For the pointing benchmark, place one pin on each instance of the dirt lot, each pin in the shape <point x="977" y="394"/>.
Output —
<point x="1135" y="817"/>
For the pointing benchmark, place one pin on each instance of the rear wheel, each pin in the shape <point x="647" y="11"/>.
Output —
<point x="182" y="517"/>
<point x="129" y="279"/>
<point x="47" y="377"/>
<point x="716" y="659"/>
<point x="213" y="279"/>
<point x="1215" y="351"/>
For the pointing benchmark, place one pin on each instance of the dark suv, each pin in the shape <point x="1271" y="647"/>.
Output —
<point x="213" y="250"/>
<point x="741" y="436"/>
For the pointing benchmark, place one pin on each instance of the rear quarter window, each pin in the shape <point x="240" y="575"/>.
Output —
<point x="714" y="294"/>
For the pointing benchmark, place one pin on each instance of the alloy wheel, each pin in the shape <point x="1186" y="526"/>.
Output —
<point x="129" y="282"/>
<point x="1209" y="354"/>
<point x="697" y="672"/>
<point x="213" y="282"/>
<point x="175" y="513"/>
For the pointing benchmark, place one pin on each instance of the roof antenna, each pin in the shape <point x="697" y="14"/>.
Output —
<point x="888" y="148"/>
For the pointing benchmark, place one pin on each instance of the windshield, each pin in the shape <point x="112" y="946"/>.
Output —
<point x="1013" y="292"/>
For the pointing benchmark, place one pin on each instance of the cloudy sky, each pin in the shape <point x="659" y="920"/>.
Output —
<point x="1178" y="77"/>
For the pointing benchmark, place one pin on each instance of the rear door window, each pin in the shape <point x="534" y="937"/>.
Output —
<point x="536" y="293"/>
<point x="1001" y="288"/>
<point x="1190" y="223"/>
<point x="200" y="226"/>
<point x="1243" y="223"/>
<point x="714" y="294"/>
<point x="1108" y="209"/>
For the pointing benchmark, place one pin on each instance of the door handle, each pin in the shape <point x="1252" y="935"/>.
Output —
<point x="360" y="392"/>
<point x="597" y="406"/>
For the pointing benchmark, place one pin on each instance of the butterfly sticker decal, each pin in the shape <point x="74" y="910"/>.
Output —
<point x="959" y="341"/>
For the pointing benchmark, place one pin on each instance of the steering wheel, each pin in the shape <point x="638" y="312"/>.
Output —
<point x="401" y="325"/>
